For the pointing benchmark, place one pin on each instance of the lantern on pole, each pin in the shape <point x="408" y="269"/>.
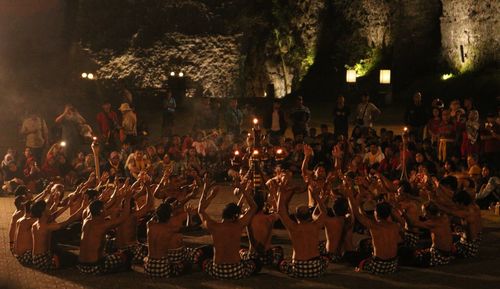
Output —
<point x="350" y="76"/>
<point x="385" y="76"/>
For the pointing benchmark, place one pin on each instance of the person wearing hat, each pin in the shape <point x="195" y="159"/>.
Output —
<point x="128" y="131"/>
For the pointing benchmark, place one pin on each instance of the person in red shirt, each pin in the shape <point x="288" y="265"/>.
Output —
<point x="107" y="121"/>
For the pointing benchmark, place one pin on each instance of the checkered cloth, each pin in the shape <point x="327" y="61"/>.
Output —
<point x="378" y="266"/>
<point x="108" y="264"/>
<point x="273" y="256"/>
<point x="240" y="270"/>
<point x="45" y="262"/>
<point x="313" y="268"/>
<point x="411" y="239"/>
<point x="333" y="257"/>
<point x="138" y="252"/>
<point x="25" y="259"/>
<point x="163" y="267"/>
<point x="432" y="257"/>
<point x="468" y="249"/>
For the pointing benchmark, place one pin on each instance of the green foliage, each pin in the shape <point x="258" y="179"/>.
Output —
<point x="367" y="64"/>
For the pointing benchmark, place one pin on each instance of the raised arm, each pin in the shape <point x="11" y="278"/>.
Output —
<point x="247" y="217"/>
<point x="205" y="201"/>
<point x="308" y="152"/>
<point x="354" y="206"/>
<point x="283" y="200"/>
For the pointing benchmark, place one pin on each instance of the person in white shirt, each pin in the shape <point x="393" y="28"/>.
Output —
<point x="128" y="130"/>
<point x="374" y="155"/>
<point x="275" y="123"/>
<point x="35" y="130"/>
<point x="366" y="112"/>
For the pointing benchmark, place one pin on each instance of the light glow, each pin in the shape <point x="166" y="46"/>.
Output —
<point x="350" y="76"/>
<point x="385" y="76"/>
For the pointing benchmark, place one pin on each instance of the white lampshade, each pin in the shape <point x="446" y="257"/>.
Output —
<point x="385" y="76"/>
<point x="350" y="76"/>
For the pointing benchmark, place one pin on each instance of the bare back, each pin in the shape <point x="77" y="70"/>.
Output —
<point x="92" y="241"/>
<point x="162" y="237"/>
<point x="260" y="231"/>
<point x="305" y="240"/>
<point x="226" y="237"/>
<point x="334" y="228"/>
<point x="385" y="238"/>
<point x="24" y="239"/>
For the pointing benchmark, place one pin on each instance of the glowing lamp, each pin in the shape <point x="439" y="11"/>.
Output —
<point x="350" y="76"/>
<point x="385" y="76"/>
<point x="90" y="76"/>
<point x="172" y="73"/>
<point x="405" y="129"/>
<point x="94" y="138"/>
<point x="181" y="74"/>
<point x="84" y="75"/>
<point x="63" y="144"/>
<point x="256" y="152"/>
<point x="236" y="153"/>
<point x="447" y="76"/>
<point x="279" y="151"/>
<point x="255" y="121"/>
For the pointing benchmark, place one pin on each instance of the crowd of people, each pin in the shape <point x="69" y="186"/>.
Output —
<point x="381" y="199"/>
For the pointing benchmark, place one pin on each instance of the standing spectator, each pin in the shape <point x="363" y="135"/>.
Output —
<point x="71" y="123"/>
<point x="233" y="118"/>
<point x="35" y="130"/>
<point x="416" y="116"/>
<point x="107" y="121"/>
<point x="447" y="136"/>
<point x="341" y="118"/>
<point x="300" y="117"/>
<point x="470" y="145"/>
<point x="366" y="112"/>
<point x="433" y="125"/>
<point x="275" y="123"/>
<point x="128" y="132"/>
<point x="169" y="106"/>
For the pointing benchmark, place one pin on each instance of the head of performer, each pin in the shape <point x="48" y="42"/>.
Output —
<point x="231" y="212"/>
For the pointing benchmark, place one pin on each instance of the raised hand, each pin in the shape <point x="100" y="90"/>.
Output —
<point x="308" y="151"/>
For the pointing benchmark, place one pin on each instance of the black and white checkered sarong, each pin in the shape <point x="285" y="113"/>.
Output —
<point x="411" y="239"/>
<point x="432" y="257"/>
<point x="378" y="266"/>
<point x="240" y="270"/>
<point x="273" y="256"/>
<point x="313" y="268"/>
<point x="333" y="257"/>
<point x="138" y="252"/>
<point x="163" y="267"/>
<point x="108" y="264"/>
<point x="45" y="262"/>
<point x="25" y="259"/>
<point x="468" y="249"/>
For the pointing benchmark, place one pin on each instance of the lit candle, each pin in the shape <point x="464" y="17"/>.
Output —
<point x="405" y="129"/>
<point x="255" y="121"/>
<point x="63" y="143"/>
<point x="236" y="153"/>
<point x="94" y="138"/>
<point x="256" y="152"/>
<point x="279" y="151"/>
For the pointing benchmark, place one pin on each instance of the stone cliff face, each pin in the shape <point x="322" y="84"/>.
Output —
<point x="243" y="48"/>
<point x="470" y="33"/>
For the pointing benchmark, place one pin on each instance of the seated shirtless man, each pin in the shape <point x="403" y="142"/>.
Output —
<point x="227" y="263"/>
<point x="20" y="211"/>
<point x="92" y="259"/>
<point x="385" y="234"/>
<point x="318" y="175"/>
<point x="407" y="202"/>
<point x="23" y="240"/>
<point x="168" y="257"/>
<point x="463" y="207"/>
<point x="44" y="256"/>
<point x="126" y="232"/>
<point x="306" y="259"/>
<point x="438" y="224"/>
<point x="338" y="231"/>
<point x="260" y="232"/>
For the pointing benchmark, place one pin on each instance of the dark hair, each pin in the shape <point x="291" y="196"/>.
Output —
<point x="340" y="207"/>
<point x="92" y="194"/>
<point x="38" y="208"/>
<point x="163" y="212"/>
<point x="18" y="202"/>
<point x="21" y="190"/>
<point x="303" y="215"/>
<point x="95" y="208"/>
<point x="231" y="211"/>
<point x="462" y="198"/>
<point x="260" y="200"/>
<point x="450" y="182"/>
<point x="405" y="186"/>
<point x="383" y="210"/>
<point x="431" y="208"/>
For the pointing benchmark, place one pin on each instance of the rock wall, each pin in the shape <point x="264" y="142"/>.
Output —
<point x="475" y="26"/>
<point x="210" y="63"/>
